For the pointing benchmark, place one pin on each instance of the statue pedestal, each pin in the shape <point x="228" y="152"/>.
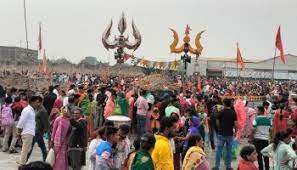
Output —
<point x="119" y="120"/>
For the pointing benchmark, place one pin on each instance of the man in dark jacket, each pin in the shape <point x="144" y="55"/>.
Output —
<point x="49" y="100"/>
<point x="101" y="101"/>
<point x="42" y="126"/>
<point x="77" y="140"/>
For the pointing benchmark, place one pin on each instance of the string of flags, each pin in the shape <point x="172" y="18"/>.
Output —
<point x="169" y="65"/>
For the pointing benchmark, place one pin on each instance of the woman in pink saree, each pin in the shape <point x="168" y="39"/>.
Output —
<point x="131" y="100"/>
<point x="241" y="116"/>
<point x="59" y="142"/>
<point x="250" y="117"/>
<point x="110" y="105"/>
<point x="55" y="112"/>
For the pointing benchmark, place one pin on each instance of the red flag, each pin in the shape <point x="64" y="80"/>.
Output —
<point x="279" y="45"/>
<point x="39" y="38"/>
<point x="239" y="58"/>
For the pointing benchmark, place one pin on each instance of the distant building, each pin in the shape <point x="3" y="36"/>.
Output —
<point x="90" y="61"/>
<point x="17" y="55"/>
<point x="254" y="68"/>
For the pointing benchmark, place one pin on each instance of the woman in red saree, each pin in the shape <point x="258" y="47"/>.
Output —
<point x="280" y="119"/>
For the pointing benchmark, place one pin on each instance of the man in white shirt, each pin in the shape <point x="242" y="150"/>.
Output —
<point x="70" y="92"/>
<point x="142" y="110"/>
<point x="26" y="127"/>
<point x="57" y="90"/>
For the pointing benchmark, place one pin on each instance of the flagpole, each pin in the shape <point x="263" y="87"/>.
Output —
<point x="39" y="44"/>
<point x="237" y="71"/>
<point x="26" y="30"/>
<point x="273" y="64"/>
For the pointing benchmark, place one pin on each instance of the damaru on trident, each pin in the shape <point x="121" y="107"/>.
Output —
<point x="121" y="42"/>
<point x="186" y="46"/>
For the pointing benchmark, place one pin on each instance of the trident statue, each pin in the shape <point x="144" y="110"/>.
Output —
<point x="186" y="46"/>
<point x="121" y="42"/>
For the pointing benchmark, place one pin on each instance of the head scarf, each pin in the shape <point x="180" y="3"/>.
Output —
<point x="55" y="112"/>
<point x="58" y="103"/>
<point x="194" y="129"/>
<point x="195" y="121"/>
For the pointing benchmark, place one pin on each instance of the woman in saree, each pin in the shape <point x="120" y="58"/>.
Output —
<point x="110" y="105"/>
<point x="55" y="113"/>
<point x="59" y="140"/>
<point x="195" y="158"/>
<point x="250" y="117"/>
<point x="130" y="96"/>
<point x="123" y="103"/>
<point x="280" y="119"/>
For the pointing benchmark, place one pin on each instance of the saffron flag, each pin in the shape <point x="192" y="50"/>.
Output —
<point x="279" y="45"/>
<point x="239" y="58"/>
<point x="39" y="38"/>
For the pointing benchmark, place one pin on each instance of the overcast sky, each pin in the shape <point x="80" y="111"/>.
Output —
<point x="73" y="28"/>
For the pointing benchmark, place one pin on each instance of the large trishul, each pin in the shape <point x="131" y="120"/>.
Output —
<point x="186" y="46"/>
<point x="121" y="42"/>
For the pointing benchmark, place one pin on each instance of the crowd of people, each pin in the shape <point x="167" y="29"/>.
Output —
<point x="169" y="129"/>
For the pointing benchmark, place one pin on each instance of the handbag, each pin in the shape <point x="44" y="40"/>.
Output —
<point x="50" y="158"/>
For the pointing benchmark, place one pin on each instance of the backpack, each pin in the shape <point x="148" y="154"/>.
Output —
<point x="6" y="116"/>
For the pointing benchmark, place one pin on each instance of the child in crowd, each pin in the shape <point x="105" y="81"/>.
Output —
<point x="248" y="157"/>
<point x="202" y="120"/>
<point x="155" y="120"/>
<point x="261" y="134"/>
<point x="123" y="146"/>
<point x="7" y="122"/>
<point x="92" y="147"/>
<point x="104" y="159"/>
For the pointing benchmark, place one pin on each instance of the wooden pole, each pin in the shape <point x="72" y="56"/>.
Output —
<point x="26" y="31"/>
<point x="237" y="69"/>
<point x="273" y="66"/>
